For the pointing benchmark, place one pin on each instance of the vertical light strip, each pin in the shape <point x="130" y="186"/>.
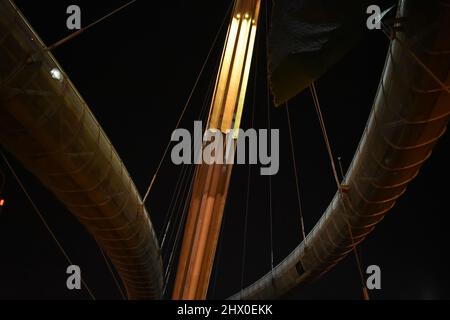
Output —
<point x="236" y="76"/>
<point x="242" y="94"/>
<point x="221" y="88"/>
<point x="216" y="83"/>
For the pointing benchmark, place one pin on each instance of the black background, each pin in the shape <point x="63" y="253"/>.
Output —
<point x="135" y="71"/>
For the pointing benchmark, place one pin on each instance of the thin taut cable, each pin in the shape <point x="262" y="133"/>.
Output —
<point x="299" y="200"/>
<point x="187" y="104"/>
<point x="111" y="271"/>
<point x="172" y="206"/>
<point x="187" y="194"/>
<point x="269" y="127"/>
<point x="41" y="217"/>
<point x="325" y="135"/>
<point x="82" y="30"/>
<point x="186" y="168"/>
<point x="247" y="196"/>
<point x="341" y="168"/>
<point x="357" y="257"/>
<point x="336" y="178"/>
<point x="185" y="210"/>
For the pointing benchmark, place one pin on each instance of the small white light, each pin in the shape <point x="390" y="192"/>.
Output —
<point x="247" y="16"/>
<point x="56" y="74"/>
<point x="238" y="16"/>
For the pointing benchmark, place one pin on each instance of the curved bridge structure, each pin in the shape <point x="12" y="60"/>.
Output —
<point x="410" y="113"/>
<point x="45" y="124"/>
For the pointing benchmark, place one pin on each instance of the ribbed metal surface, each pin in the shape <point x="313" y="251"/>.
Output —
<point x="46" y="125"/>
<point x="410" y="114"/>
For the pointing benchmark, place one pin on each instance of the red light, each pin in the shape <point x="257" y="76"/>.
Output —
<point x="2" y="202"/>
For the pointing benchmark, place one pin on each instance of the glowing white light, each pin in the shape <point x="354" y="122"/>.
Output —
<point x="247" y="16"/>
<point x="56" y="74"/>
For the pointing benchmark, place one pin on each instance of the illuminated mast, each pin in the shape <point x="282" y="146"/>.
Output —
<point x="212" y="180"/>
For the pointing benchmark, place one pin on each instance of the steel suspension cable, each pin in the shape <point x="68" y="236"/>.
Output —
<point x="247" y="197"/>
<point x="176" y="244"/>
<point x="186" y="193"/>
<point x="186" y="168"/>
<point x="325" y="135"/>
<point x="182" y="199"/>
<point x="173" y="204"/>
<point x="297" y="185"/>
<point x="187" y="102"/>
<point x="338" y="183"/>
<point x="42" y="218"/>
<point x="358" y="264"/>
<point x="111" y="271"/>
<point x="82" y="30"/>
<point x="269" y="128"/>
<point x="357" y="254"/>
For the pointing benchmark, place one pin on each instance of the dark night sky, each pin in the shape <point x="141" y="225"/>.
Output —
<point x="135" y="71"/>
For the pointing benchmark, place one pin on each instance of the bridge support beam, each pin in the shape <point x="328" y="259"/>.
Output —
<point x="212" y="180"/>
